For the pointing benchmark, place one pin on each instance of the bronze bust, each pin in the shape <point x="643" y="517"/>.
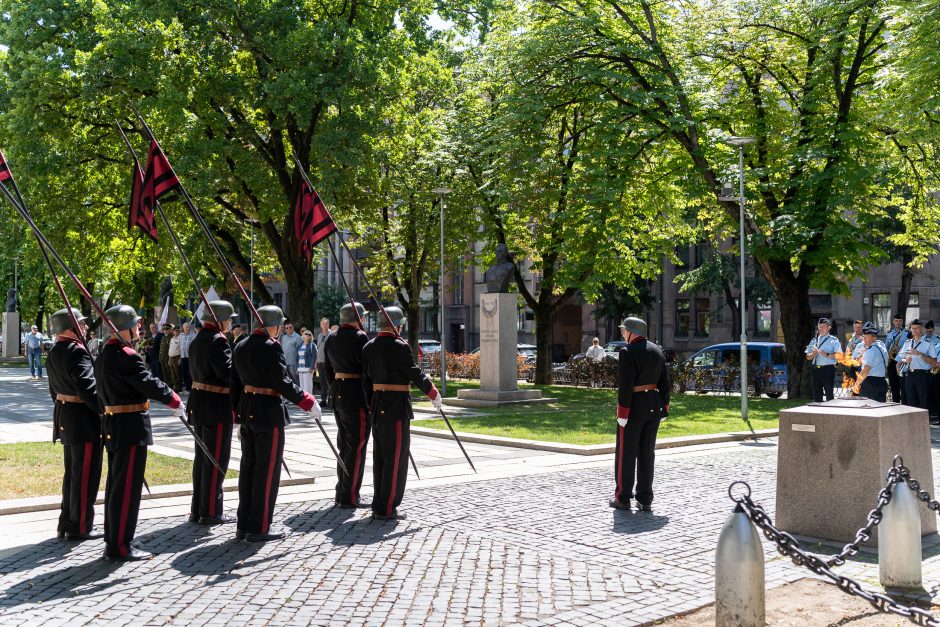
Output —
<point x="499" y="275"/>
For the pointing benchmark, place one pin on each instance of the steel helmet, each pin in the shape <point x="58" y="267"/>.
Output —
<point x="61" y="321"/>
<point x="348" y="316"/>
<point x="396" y="315"/>
<point x="123" y="317"/>
<point x="636" y="326"/>
<point x="222" y="309"/>
<point x="271" y="315"/>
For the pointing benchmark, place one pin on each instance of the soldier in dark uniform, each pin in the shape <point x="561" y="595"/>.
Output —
<point x="388" y="371"/>
<point x="210" y="411"/>
<point x="342" y="369"/>
<point x="259" y="380"/>
<point x="124" y="386"/>
<point x="642" y="402"/>
<point x="77" y="422"/>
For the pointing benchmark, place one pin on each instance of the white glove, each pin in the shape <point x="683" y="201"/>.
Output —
<point x="179" y="411"/>
<point x="622" y="422"/>
<point x="437" y="401"/>
<point x="315" y="412"/>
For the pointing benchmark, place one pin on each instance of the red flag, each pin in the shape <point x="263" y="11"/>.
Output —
<point x="312" y="222"/>
<point x="5" y="174"/>
<point x="158" y="180"/>
<point x="140" y="216"/>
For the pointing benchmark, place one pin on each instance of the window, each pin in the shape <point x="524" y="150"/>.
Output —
<point x="913" y="309"/>
<point x="682" y="254"/>
<point x="881" y="311"/>
<point x="520" y="322"/>
<point x="702" y="316"/>
<point x="762" y="325"/>
<point x="778" y="355"/>
<point x="720" y="310"/>
<point x="458" y="284"/>
<point x="428" y="319"/>
<point x="682" y="317"/>
<point x="701" y="255"/>
<point x="704" y="359"/>
<point x="821" y="303"/>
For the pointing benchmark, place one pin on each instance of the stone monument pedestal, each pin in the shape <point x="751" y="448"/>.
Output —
<point x="499" y="370"/>
<point x="832" y="461"/>
<point x="11" y="333"/>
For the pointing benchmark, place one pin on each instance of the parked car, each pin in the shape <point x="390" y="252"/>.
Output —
<point x="716" y="368"/>
<point x="528" y="350"/>
<point x="429" y="346"/>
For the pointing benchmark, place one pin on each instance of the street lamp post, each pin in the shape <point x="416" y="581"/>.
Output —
<point x="741" y="142"/>
<point x="441" y="192"/>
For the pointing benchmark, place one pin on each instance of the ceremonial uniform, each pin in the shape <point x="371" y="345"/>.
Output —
<point x="934" y="393"/>
<point x="642" y="402"/>
<point x="824" y="366"/>
<point x="210" y="413"/>
<point x="388" y="371"/>
<point x="853" y="346"/>
<point x="342" y="370"/>
<point x="77" y="423"/>
<point x="259" y="380"/>
<point x="917" y="375"/>
<point x="126" y="387"/>
<point x="874" y="385"/>
<point x="893" y="342"/>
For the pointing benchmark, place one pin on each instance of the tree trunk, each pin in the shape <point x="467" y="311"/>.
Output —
<point x="735" y="312"/>
<point x="41" y="309"/>
<point x="907" y="275"/>
<point x="796" y="319"/>
<point x="301" y="294"/>
<point x="413" y="312"/>
<point x="543" y="343"/>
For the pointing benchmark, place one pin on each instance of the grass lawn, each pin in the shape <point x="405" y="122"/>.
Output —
<point x="587" y="416"/>
<point x="35" y="469"/>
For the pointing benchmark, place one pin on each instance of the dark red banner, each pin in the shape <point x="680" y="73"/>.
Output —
<point x="5" y="174"/>
<point x="141" y="216"/>
<point x="159" y="179"/>
<point x="312" y="222"/>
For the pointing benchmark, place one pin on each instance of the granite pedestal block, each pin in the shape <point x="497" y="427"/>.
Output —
<point x="832" y="461"/>
<point x="11" y="333"/>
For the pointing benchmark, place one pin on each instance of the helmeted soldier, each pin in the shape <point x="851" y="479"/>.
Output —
<point x="342" y="368"/>
<point x="125" y="387"/>
<point x="259" y="380"/>
<point x="210" y="411"/>
<point x="77" y="423"/>
<point x="388" y="371"/>
<point x="642" y="402"/>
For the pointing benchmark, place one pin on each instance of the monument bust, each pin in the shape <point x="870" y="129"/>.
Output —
<point x="11" y="300"/>
<point x="166" y="291"/>
<point x="499" y="275"/>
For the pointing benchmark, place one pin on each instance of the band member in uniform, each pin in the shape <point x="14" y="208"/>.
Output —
<point x="821" y="351"/>
<point x="916" y="358"/>
<point x="874" y="358"/>
<point x="642" y="402"/>
<point x="259" y="380"/>
<point x="852" y="344"/>
<point x="124" y="386"/>
<point x="388" y="371"/>
<point x="934" y="374"/>
<point x="342" y="369"/>
<point x="77" y="422"/>
<point x="893" y="342"/>
<point x="210" y="411"/>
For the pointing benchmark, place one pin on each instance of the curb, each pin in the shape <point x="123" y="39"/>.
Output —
<point x="592" y="449"/>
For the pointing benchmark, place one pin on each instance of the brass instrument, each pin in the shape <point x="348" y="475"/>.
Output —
<point x="895" y="347"/>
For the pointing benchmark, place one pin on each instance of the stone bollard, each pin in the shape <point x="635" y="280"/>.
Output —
<point x="739" y="574"/>
<point x="899" y="553"/>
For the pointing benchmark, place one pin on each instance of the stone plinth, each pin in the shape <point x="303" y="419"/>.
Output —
<point x="11" y="333"/>
<point x="832" y="461"/>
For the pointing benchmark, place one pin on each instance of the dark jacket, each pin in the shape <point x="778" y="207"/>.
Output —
<point x="71" y="373"/>
<point x="210" y="362"/>
<point x="153" y="351"/>
<point x="342" y="352"/>
<point x="642" y="363"/>
<point x="259" y="361"/>
<point x="388" y="359"/>
<point x="123" y="379"/>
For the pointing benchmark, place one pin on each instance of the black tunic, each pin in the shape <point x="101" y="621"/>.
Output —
<point x="210" y="362"/>
<point x="342" y="352"/>
<point x="388" y="359"/>
<point x="71" y="373"/>
<point x="642" y="363"/>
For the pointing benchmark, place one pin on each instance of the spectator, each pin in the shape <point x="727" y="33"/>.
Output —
<point x="34" y="352"/>
<point x="306" y="360"/>
<point x="238" y="334"/>
<point x="165" y="352"/>
<point x="186" y="338"/>
<point x="153" y="351"/>
<point x="173" y="352"/>
<point x="94" y="344"/>
<point x="321" y="356"/>
<point x="596" y="352"/>
<point x="290" y="343"/>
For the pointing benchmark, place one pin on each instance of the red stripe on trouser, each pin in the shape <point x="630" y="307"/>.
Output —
<point x="215" y="471"/>
<point x="390" y="507"/>
<point x="265" y="517"/>
<point x="353" y="496"/>
<point x="619" y="462"/>
<point x="83" y="508"/>
<point x="126" y="504"/>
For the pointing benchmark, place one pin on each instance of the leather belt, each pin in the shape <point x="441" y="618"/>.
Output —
<point x="263" y="391"/>
<point x="391" y="387"/>
<point x="649" y="387"/>
<point x="205" y="387"/>
<point x="126" y="409"/>
<point x="347" y="375"/>
<point x="68" y="398"/>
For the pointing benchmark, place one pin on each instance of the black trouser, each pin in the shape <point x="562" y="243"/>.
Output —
<point x="80" y="486"/>
<point x="207" y="480"/>
<point x="875" y="388"/>
<point x="126" y="466"/>
<point x="894" y="380"/>
<point x="391" y="442"/>
<point x="633" y="461"/>
<point x="184" y="372"/>
<point x="259" y="477"/>
<point x="823" y="380"/>
<point x="917" y="388"/>
<point x="934" y="395"/>
<point x="353" y="427"/>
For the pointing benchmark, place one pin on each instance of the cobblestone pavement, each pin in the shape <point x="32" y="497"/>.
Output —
<point x="533" y="550"/>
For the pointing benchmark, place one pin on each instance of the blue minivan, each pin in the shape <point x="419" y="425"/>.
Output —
<point x="712" y="369"/>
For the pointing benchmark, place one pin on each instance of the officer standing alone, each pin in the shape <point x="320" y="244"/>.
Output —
<point x="642" y="402"/>
<point x="77" y="423"/>
<point x="821" y="352"/>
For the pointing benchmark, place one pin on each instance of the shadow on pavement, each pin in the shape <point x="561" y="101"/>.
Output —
<point x="177" y="538"/>
<point x="631" y="522"/>
<point x="220" y="561"/>
<point x="47" y="551"/>
<point x="344" y="528"/>
<point x="83" y="579"/>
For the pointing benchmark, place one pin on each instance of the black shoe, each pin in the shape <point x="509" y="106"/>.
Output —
<point x="342" y="505"/>
<point x="239" y="535"/>
<point x="133" y="555"/>
<point x="193" y="518"/>
<point x="216" y="520"/>
<point x="618" y="504"/>
<point x="60" y="535"/>
<point x="395" y="516"/>
<point x="265" y="537"/>
<point x="94" y="534"/>
<point x="644" y="508"/>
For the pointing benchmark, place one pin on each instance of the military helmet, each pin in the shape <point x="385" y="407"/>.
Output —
<point x="61" y="321"/>
<point x="636" y="326"/>
<point x="271" y="315"/>
<point x="348" y="316"/>
<point x="123" y="317"/>
<point x="396" y="315"/>
<point x="222" y="309"/>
